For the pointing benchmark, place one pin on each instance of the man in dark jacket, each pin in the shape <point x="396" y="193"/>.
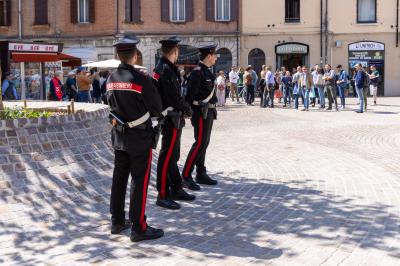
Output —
<point x="359" y="84"/>
<point x="8" y="90"/>
<point x="167" y="79"/>
<point x="133" y="99"/>
<point x="201" y="94"/>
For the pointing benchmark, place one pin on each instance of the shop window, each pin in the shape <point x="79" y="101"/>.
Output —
<point x="5" y="12"/>
<point x="178" y="10"/>
<point x="292" y="11"/>
<point x="222" y="10"/>
<point x="41" y="17"/>
<point x="366" y="11"/>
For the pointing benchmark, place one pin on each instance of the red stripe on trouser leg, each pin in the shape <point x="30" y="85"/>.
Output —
<point x="196" y="150"/>
<point x="143" y="223"/>
<point x="166" y="163"/>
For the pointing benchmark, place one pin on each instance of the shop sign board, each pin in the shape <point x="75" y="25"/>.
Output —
<point x="366" y="55"/>
<point x="367" y="46"/>
<point x="32" y="47"/>
<point x="291" y="48"/>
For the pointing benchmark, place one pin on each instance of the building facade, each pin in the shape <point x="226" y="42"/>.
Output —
<point x="87" y="28"/>
<point x="278" y="33"/>
<point x="307" y="32"/>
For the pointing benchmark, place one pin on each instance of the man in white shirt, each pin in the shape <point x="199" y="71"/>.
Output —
<point x="233" y="79"/>
<point x="269" y="89"/>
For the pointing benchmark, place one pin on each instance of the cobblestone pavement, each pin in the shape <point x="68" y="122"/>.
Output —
<point x="296" y="188"/>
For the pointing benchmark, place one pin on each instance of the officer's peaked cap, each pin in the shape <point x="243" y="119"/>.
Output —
<point x="170" y="42"/>
<point x="208" y="49"/>
<point x="128" y="41"/>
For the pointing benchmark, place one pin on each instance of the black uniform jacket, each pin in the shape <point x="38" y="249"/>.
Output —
<point x="200" y="86"/>
<point x="166" y="78"/>
<point x="130" y="95"/>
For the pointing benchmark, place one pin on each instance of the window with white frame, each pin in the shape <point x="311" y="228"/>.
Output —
<point x="222" y="10"/>
<point x="366" y="11"/>
<point x="83" y="11"/>
<point x="178" y="10"/>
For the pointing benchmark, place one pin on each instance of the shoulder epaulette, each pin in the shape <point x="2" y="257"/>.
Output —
<point x="142" y="71"/>
<point x="197" y="68"/>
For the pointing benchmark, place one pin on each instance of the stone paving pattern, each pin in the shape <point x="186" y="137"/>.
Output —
<point x="296" y="188"/>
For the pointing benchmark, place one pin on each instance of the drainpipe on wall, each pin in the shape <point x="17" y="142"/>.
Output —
<point x="321" y="32"/>
<point x="326" y="31"/>
<point x="237" y="35"/>
<point x="397" y="25"/>
<point x="116" y="27"/>
<point x="20" y="19"/>
<point x="117" y="15"/>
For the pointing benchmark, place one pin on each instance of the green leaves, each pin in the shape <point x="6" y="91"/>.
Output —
<point x="19" y="112"/>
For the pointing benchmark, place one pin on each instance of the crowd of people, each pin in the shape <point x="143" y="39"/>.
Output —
<point x="312" y="87"/>
<point x="81" y="86"/>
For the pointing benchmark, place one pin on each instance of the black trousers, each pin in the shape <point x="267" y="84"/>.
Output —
<point x="197" y="154"/>
<point x="168" y="176"/>
<point x="139" y="166"/>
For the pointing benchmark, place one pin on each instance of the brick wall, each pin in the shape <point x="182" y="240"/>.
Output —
<point x="36" y="150"/>
<point x="60" y="25"/>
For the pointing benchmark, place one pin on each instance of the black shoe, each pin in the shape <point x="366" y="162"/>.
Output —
<point x="359" y="112"/>
<point x="205" y="180"/>
<point x="190" y="184"/>
<point x="118" y="228"/>
<point x="150" y="233"/>
<point x="181" y="194"/>
<point x="168" y="204"/>
<point x="329" y="108"/>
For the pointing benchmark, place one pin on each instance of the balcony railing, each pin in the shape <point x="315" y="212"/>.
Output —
<point x="292" y="20"/>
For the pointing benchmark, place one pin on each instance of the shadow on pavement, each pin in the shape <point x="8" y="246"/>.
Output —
<point x="68" y="220"/>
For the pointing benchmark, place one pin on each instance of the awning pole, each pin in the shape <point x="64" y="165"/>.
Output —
<point x="23" y="88"/>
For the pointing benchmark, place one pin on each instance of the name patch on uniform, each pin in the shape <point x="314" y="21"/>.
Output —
<point x="156" y="76"/>
<point x="124" y="86"/>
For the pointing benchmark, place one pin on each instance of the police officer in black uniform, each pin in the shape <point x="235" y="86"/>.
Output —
<point x="133" y="99"/>
<point x="166" y="78"/>
<point x="201" y="94"/>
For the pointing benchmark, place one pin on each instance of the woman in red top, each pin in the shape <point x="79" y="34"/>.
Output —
<point x="55" y="92"/>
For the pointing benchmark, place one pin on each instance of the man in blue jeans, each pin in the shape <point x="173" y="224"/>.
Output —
<point x="359" y="84"/>
<point x="297" y="91"/>
<point x="341" y="84"/>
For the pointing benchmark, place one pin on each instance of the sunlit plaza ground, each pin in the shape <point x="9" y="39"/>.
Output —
<point x="295" y="188"/>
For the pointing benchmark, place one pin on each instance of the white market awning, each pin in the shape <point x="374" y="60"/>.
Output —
<point x="111" y="63"/>
<point x="85" y="54"/>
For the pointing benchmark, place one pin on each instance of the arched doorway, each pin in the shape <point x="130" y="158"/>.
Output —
<point x="224" y="61"/>
<point x="188" y="57"/>
<point x="256" y="59"/>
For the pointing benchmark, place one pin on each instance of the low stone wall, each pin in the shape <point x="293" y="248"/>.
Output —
<point x="56" y="155"/>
